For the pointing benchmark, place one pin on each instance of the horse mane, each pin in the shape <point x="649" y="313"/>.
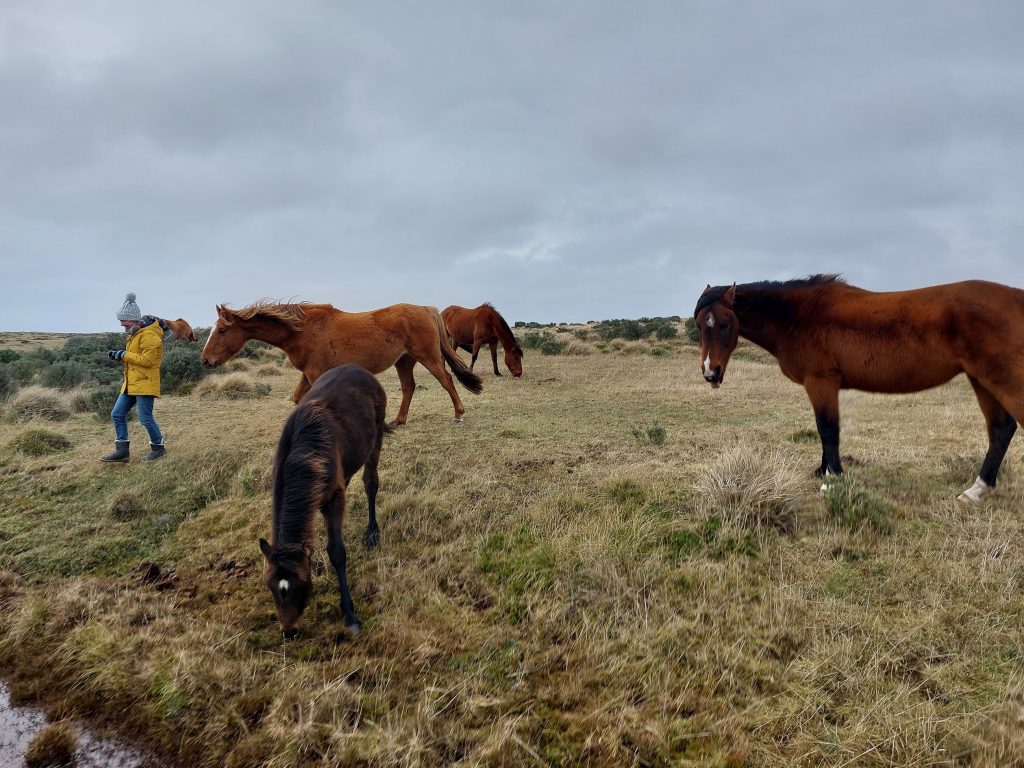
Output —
<point x="715" y="293"/>
<point x="302" y="473"/>
<point x="292" y="315"/>
<point x="504" y="324"/>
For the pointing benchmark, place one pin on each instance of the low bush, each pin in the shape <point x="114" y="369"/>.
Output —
<point x="545" y="342"/>
<point x="181" y="368"/>
<point x="856" y="507"/>
<point x="35" y="402"/>
<point x="64" y="374"/>
<point x="654" y="434"/>
<point x="39" y="442"/>
<point x="8" y="385"/>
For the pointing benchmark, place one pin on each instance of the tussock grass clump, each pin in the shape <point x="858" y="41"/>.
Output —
<point x="78" y="400"/>
<point x="39" y="442"/>
<point x="53" y="747"/>
<point x="751" y="488"/>
<point x="856" y="507"/>
<point x="233" y="386"/>
<point x="127" y="506"/>
<point x="35" y="402"/>
<point x="269" y="370"/>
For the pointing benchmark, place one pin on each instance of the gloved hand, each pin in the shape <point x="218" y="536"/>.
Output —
<point x="115" y="354"/>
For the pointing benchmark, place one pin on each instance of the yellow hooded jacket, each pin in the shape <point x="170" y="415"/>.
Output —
<point x="143" y="353"/>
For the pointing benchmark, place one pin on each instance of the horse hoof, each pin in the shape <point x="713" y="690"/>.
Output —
<point x="371" y="540"/>
<point x="353" y="629"/>
<point x="457" y="421"/>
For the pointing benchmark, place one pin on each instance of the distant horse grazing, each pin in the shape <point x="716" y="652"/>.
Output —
<point x="181" y="329"/>
<point x="828" y="336"/>
<point x="318" y="337"/>
<point x="470" y="329"/>
<point x="337" y="428"/>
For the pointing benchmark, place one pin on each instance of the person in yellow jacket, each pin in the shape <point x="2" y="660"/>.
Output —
<point x="144" y="349"/>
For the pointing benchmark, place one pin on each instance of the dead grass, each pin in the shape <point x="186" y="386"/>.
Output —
<point x="548" y="589"/>
<point x="36" y="402"/>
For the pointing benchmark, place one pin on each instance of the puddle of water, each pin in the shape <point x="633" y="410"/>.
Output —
<point x="19" y="725"/>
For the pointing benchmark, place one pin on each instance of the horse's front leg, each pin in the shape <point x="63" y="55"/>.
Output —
<point x="494" y="357"/>
<point x="300" y="389"/>
<point x="333" y="513"/>
<point x="824" y="397"/>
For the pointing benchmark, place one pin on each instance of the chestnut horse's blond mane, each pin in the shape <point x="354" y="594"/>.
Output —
<point x="292" y="315"/>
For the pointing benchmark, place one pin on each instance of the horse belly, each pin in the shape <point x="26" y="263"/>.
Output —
<point x="910" y="370"/>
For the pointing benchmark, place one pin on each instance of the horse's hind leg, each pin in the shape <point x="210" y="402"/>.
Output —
<point x="430" y="358"/>
<point x="824" y="396"/>
<point x="404" y="367"/>
<point x="371" y="483"/>
<point x="1001" y="427"/>
<point x="476" y="353"/>
<point x="333" y="512"/>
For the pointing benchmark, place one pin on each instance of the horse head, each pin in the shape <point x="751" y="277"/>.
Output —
<point x="226" y="338"/>
<point x="719" y="331"/>
<point x="288" y="576"/>
<point x="514" y="360"/>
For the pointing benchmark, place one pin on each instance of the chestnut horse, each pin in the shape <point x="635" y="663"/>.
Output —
<point x="337" y="428"/>
<point x="181" y="329"/>
<point x="827" y="336"/>
<point x="470" y="329"/>
<point x="318" y="337"/>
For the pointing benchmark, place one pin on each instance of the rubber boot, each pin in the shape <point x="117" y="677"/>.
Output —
<point x="120" y="453"/>
<point x="155" y="452"/>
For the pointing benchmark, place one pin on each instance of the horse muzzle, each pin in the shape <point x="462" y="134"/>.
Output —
<point x="714" y="377"/>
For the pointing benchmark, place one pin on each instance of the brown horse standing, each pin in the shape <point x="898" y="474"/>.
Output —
<point x="181" y="329"/>
<point x="318" y="337"/>
<point x="828" y="336"/>
<point x="470" y="329"/>
<point x="337" y="428"/>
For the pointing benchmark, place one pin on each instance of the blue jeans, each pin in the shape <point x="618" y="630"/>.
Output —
<point x="120" y="416"/>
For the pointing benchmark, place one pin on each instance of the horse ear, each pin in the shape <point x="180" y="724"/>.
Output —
<point x="266" y="549"/>
<point x="223" y="311"/>
<point x="729" y="297"/>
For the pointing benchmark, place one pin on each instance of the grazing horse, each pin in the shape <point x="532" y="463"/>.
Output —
<point x="470" y="329"/>
<point x="337" y="428"/>
<point x="827" y="336"/>
<point x="181" y="329"/>
<point x="318" y="337"/>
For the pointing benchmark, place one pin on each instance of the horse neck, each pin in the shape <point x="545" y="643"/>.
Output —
<point x="504" y="333"/>
<point x="270" y="331"/>
<point x="764" y="314"/>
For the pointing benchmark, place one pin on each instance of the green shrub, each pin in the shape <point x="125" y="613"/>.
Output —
<point x="39" y="442"/>
<point x="65" y="374"/>
<point x="101" y="403"/>
<point x="8" y="356"/>
<point x="853" y="505"/>
<point x="545" y="342"/>
<point x="8" y="385"/>
<point x="654" y="434"/>
<point x="182" y="365"/>
<point x="692" y="334"/>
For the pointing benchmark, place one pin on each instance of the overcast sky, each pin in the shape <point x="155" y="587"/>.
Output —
<point x="565" y="160"/>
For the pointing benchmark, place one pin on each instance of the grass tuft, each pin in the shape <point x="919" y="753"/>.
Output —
<point x="53" y="747"/>
<point x="751" y="488"/>
<point x="238" y="385"/>
<point x="39" y="442"/>
<point x="35" y="402"/>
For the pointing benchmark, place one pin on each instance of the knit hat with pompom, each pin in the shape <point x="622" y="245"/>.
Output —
<point x="129" y="310"/>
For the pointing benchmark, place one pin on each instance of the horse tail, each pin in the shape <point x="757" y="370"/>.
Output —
<point x="466" y="377"/>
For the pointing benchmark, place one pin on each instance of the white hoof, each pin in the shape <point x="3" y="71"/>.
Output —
<point x="457" y="421"/>
<point x="975" y="492"/>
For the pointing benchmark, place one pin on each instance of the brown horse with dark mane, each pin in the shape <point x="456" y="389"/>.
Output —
<point x="318" y="337"/>
<point x="470" y="329"/>
<point x="827" y="336"/>
<point x="337" y="428"/>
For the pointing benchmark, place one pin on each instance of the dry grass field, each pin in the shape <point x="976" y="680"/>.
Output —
<point x="607" y="564"/>
<point x="23" y="342"/>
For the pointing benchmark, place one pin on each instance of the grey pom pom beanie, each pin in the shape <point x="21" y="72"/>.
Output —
<point x="129" y="310"/>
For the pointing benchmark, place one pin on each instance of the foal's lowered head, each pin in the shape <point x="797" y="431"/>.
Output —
<point x="719" y="330"/>
<point x="288" y="576"/>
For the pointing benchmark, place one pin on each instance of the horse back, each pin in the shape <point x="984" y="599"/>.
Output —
<point x="352" y="404"/>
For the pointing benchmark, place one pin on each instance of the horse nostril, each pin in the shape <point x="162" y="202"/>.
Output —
<point x="290" y="634"/>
